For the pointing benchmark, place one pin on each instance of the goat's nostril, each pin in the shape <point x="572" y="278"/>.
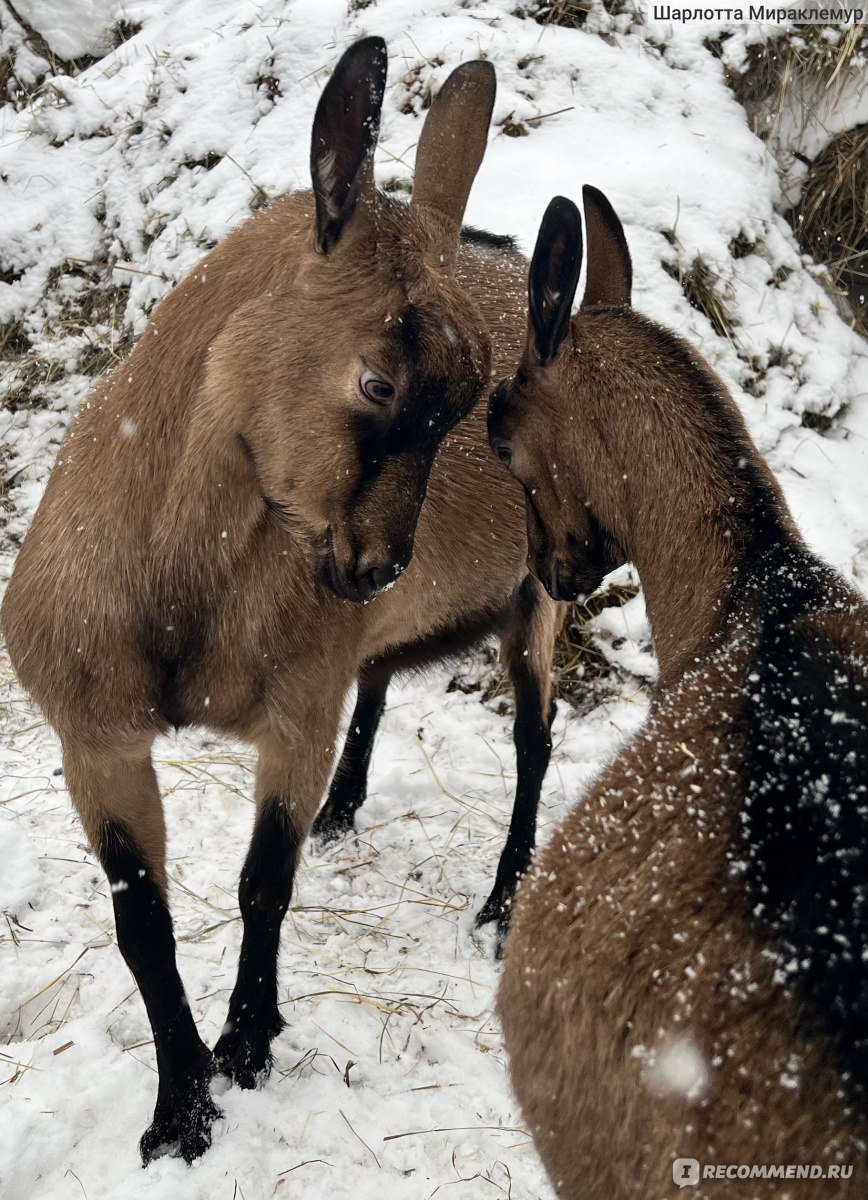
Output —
<point x="380" y="576"/>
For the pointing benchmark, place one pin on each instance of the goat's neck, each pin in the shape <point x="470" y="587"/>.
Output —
<point x="687" y="562"/>
<point x="684" y="609"/>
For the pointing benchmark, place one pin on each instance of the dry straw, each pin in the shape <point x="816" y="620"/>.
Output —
<point x="831" y="219"/>
<point x="800" y="74"/>
<point x="574" y="14"/>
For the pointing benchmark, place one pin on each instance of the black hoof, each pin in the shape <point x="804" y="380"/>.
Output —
<point x="182" y="1120"/>
<point x="330" y="827"/>
<point x="243" y="1054"/>
<point x="497" y="909"/>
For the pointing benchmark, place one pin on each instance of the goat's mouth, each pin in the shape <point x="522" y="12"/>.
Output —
<point x="358" y="585"/>
<point x="556" y="578"/>
<point x="564" y="580"/>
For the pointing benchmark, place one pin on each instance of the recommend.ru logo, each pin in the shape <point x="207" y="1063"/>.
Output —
<point x="687" y="1172"/>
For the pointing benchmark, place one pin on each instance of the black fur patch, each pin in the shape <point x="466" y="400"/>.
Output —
<point x="432" y="403"/>
<point x="483" y="237"/>
<point x="532" y="738"/>
<point x="184" y="1111"/>
<point x="593" y="556"/>
<point x="805" y="828"/>
<point x="244" y="1049"/>
<point x="349" y="785"/>
<point x="170" y="707"/>
<point x="144" y="926"/>
<point x="173" y="645"/>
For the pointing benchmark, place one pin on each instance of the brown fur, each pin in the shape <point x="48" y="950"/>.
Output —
<point x="210" y="505"/>
<point x="125" y="569"/>
<point x="634" y="928"/>
<point x="154" y="545"/>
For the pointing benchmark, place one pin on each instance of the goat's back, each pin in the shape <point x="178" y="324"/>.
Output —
<point x="645" y="1008"/>
<point x="805" y="820"/>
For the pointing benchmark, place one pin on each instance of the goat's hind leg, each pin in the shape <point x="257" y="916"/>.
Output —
<point x="264" y="891"/>
<point x="527" y="646"/>
<point x="349" y="787"/>
<point x="289" y="784"/>
<point x="117" y="798"/>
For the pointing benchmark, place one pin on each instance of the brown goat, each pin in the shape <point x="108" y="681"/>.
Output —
<point x="685" y="975"/>
<point x="259" y="463"/>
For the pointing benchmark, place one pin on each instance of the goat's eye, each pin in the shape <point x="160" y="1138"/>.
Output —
<point x="503" y="450"/>
<point x="374" y="387"/>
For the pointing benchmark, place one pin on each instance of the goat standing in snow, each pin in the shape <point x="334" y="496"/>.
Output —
<point x="225" y="501"/>
<point x="686" y="974"/>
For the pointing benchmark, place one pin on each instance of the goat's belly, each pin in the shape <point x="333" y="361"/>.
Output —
<point x="260" y="669"/>
<point x="435" y="607"/>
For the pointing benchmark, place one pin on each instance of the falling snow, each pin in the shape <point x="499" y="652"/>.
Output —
<point x="390" y="1078"/>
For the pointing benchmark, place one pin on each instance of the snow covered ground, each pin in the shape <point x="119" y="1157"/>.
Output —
<point x="390" y="1078"/>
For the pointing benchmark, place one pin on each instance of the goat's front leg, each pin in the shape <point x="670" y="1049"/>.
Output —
<point x="289" y="786"/>
<point x="116" y="796"/>
<point x="527" y="647"/>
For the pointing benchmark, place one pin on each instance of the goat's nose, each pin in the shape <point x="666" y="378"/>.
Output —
<point x="381" y="575"/>
<point x="558" y="580"/>
<point x="371" y="580"/>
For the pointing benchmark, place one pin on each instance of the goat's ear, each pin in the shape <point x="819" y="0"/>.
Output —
<point x="345" y="130"/>
<point x="452" y="144"/>
<point x="610" y="272"/>
<point x="554" y="276"/>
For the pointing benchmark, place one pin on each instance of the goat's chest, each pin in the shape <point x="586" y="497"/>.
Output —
<point x="254" y="649"/>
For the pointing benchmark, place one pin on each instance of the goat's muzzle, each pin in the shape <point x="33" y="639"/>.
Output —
<point x="362" y="580"/>
<point x="558" y="578"/>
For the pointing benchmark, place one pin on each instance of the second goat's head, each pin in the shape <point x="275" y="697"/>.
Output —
<point x="548" y="422"/>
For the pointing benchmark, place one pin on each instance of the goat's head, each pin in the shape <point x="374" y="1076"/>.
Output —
<point x="547" y="423"/>
<point x="382" y="351"/>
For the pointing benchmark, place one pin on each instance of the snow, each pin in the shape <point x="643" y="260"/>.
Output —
<point x="141" y="163"/>
<point x="380" y="969"/>
<point x="73" y="28"/>
<point x="676" y="1068"/>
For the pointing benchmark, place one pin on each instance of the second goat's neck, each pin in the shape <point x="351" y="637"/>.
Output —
<point x="692" y="555"/>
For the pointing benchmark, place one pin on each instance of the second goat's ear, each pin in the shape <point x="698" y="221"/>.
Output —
<point x="610" y="271"/>
<point x="554" y="276"/>
<point x="345" y="130"/>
